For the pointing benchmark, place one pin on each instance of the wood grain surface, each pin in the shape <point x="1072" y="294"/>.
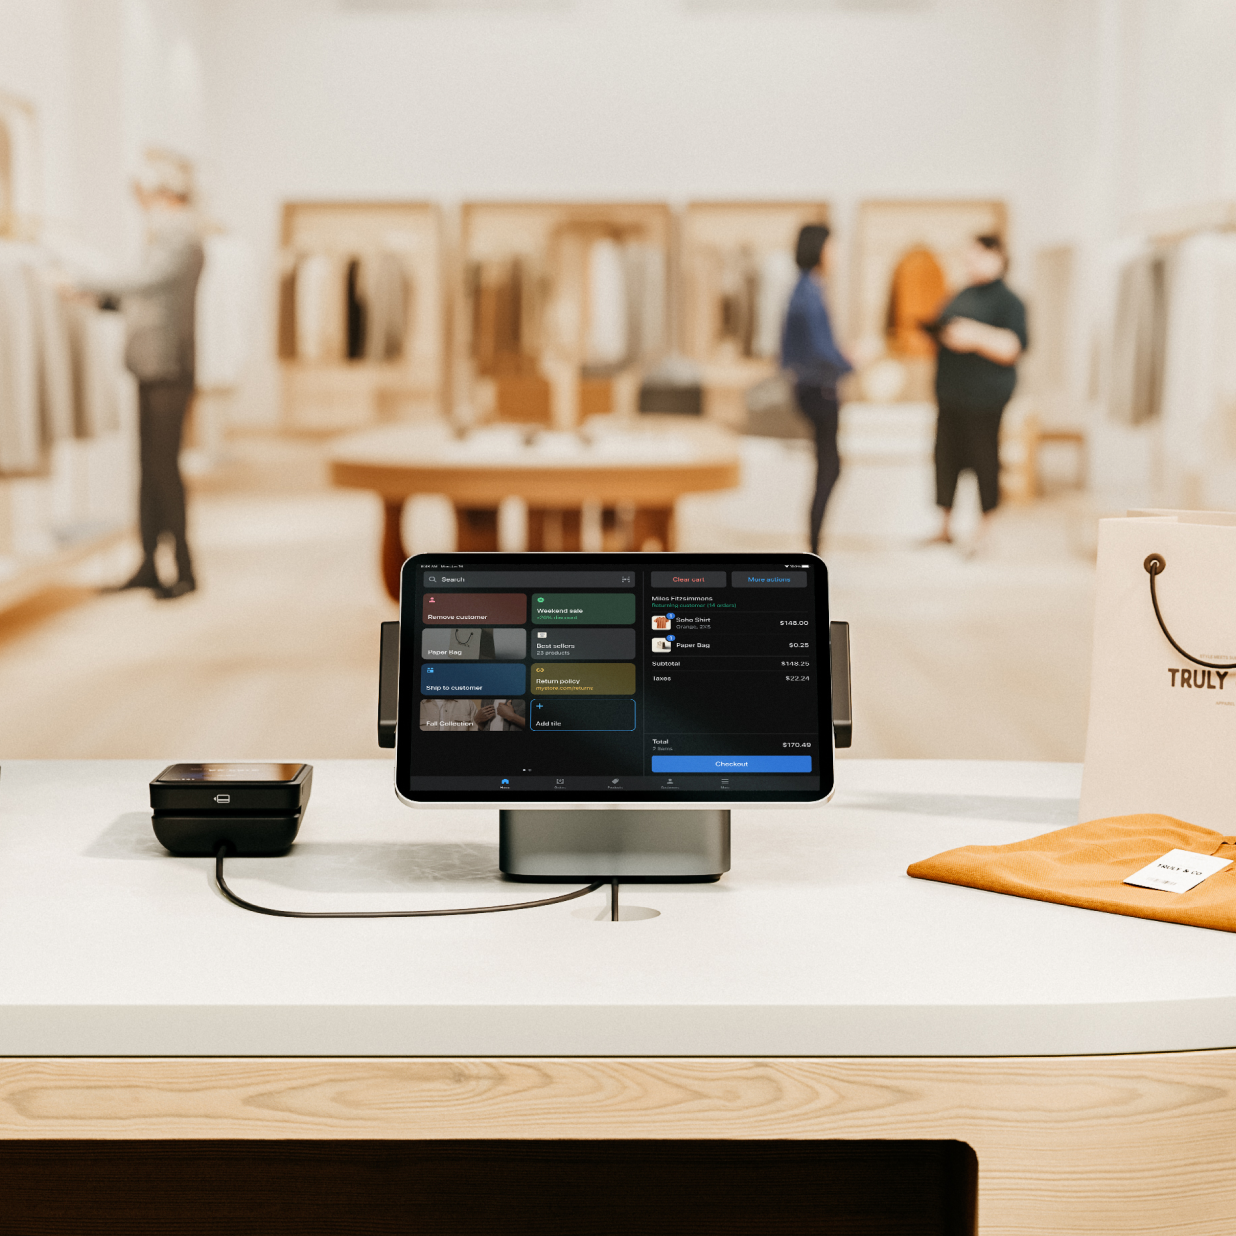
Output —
<point x="555" y="485"/>
<point x="1131" y="1144"/>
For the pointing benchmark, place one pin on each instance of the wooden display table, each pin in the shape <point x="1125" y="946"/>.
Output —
<point x="624" y="474"/>
<point x="814" y="998"/>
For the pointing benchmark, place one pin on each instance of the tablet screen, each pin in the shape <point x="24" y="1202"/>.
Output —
<point x="614" y="678"/>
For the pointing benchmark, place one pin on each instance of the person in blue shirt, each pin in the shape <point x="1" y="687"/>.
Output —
<point x="811" y="354"/>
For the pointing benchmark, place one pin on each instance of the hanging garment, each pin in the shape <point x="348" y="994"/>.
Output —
<point x="1139" y="342"/>
<point x="321" y="307"/>
<point x="225" y="312"/>
<point x="61" y="364"/>
<point x="778" y="273"/>
<point x="737" y="300"/>
<point x="20" y="416"/>
<point x="357" y="312"/>
<point x="644" y="272"/>
<point x="57" y="412"/>
<point x="533" y="294"/>
<point x="78" y="317"/>
<point x="97" y="340"/>
<point x="497" y="336"/>
<point x="6" y="175"/>
<point x="750" y="289"/>
<point x="385" y="286"/>
<point x="1199" y="374"/>
<point x="916" y="295"/>
<point x="607" y="342"/>
<point x="286" y="346"/>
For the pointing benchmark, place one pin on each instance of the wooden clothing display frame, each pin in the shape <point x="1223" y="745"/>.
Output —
<point x="544" y="382"/>
<point x="340" y="394"/>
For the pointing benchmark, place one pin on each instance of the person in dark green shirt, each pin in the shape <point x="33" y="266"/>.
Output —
<point x="982" y="333"/>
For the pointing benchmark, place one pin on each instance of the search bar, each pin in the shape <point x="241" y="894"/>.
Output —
<point x="527" y="579"/>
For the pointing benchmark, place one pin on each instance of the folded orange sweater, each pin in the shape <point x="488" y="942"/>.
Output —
<point x="1085" y="865"/>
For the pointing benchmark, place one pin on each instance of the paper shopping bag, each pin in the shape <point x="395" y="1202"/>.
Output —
<point x="1162" y="731"/>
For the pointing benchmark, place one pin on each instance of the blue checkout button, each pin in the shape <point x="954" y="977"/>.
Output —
<point x="731" y="763"/>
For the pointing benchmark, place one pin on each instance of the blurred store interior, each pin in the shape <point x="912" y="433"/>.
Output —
<point x="508" y="236"/>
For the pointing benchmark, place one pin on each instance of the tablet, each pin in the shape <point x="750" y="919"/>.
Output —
<point x="561" y="679"/>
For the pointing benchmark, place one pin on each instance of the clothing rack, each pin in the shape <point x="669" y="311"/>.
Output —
<point x="563" y="305"/>
<point x="340" y="263"/>
<point x="1170" y="331"/>
<point x="67" y="489"/>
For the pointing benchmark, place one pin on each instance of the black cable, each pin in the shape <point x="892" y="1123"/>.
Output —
<point x="1156" y="564"/>
<point x="515" y="905"/>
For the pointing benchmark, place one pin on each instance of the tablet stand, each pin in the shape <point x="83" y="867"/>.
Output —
<point x="614" y="843"/>
<point x="584" y="843"/>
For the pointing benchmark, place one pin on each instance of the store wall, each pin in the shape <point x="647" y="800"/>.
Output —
<point x="1082" y="114"/>
<point x="107" y="79"/>
<point x="102" y="217"/>
<point x="1177" y="103"/>
<point x="638" y="99"/>
<point x="35" y="67"/>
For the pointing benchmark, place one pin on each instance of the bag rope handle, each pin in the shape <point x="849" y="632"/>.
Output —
<point x="1156" y="564"/>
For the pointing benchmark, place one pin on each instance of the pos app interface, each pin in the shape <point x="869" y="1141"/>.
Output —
<point x="610" y="677"/>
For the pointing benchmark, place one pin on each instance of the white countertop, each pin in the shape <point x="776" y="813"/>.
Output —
<point x="816" y="943"/>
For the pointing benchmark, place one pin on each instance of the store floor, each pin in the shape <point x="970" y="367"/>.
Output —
<point x="276" y="654"/>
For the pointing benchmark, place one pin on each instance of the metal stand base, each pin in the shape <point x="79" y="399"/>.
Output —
<point x="666" y="846"/>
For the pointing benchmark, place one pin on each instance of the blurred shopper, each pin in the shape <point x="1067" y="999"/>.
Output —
<point x="982" y="332"/>
<point x="810" y="352"/>
<point x="159" y="310"/>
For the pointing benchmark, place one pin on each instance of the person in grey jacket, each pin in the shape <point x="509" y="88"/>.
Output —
<point x="159" y="310"/>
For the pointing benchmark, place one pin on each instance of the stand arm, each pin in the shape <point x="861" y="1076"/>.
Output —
<point x="839" y="656"/>
<point x="388" y="685"/>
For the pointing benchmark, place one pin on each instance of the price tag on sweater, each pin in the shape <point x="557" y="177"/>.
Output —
<point x="1178" y="871"/>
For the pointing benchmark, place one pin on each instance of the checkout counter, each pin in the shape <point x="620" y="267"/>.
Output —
<point x="816" y="994"/>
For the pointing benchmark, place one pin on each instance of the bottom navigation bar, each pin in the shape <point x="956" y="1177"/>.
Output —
<point x="667" y="785"/>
